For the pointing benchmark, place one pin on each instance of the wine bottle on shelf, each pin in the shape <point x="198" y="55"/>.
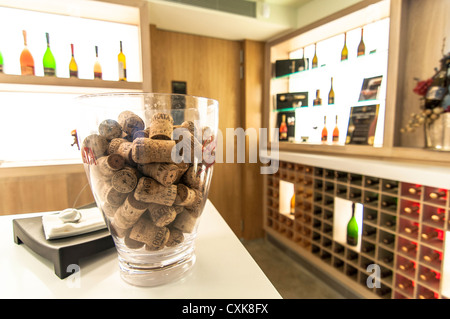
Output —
<point x="431" y="256"/>
<point x="352" y="229"/>
<point x="324" y="130"/>
<point x="438" y="195"/>
<point x="427" y="294"/>
<point x="283" y="129"/>
<point x="344" y="52"/>
<point x="405" y="284"/>
<point x="331" y="93"/>
<point x="414" y="190"/>
<point x="97" y="67"/>
<point x="336" y="132"/>
<point x="411" y="229"/>
<point x="372" y="181"/>
<point x="315" y="62"/>
<point x="26" y="59"/>
<point x="409" y="247"/>
<point x="361" y="46"/>
<point x="436" y="92"/>
<point x="293" y="204"/>
<point x="122" y="65"/>
<point x="438" y="217"/>
<point x="411" y="209"/>
<point x="304" y="61"/>
<point x="428" y="275"/>
<point x="48" y="59"/>
<point x="1" y="63"/>
<point x="371" y="198"/>
<point x="406" y="265"/>
<point x="389" y="202"/>
<point x="391" y="185"/>
<point x="73" y="67"/>
<point x="317" y="101"/>
<point x="430" y="235"/>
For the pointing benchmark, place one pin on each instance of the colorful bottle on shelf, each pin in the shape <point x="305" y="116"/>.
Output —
<point x="97" y="67"/>
<point x="315" y="61"/>
<point x="293" y="204"/>
<point x="283" y="128"/>
<point x="26" y="59"/>
<point x="344" y="52"/>
<point x="361" y="46"/>
<point x="324" y="130"/>
<point x="331" y="94"/>
<point x="49" y="60"/>
<point x="352" y="229"/>
<point x="336" y="132"/>
<point x="73" y="67"/>
<point x="317" y="101"/>
<point x="122" y="65"/>
<point x="1" y="63"/>
<point x="438" y="195"/>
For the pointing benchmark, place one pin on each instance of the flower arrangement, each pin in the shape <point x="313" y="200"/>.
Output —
<point x="434" y="96"/>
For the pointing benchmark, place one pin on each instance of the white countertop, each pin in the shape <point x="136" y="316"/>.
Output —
<point x="223" y="270"/>
<point x="428" y="175"/>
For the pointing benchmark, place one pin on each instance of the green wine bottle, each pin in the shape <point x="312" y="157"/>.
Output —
<point x="49" y="60"/>
<point x="352" y="229"/>
<point x="1" y="63"/>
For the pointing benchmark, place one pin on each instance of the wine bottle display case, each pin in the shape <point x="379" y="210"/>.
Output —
<point x="402" y="228"/>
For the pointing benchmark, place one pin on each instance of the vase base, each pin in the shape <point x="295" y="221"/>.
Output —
<point x="143" y="275"/>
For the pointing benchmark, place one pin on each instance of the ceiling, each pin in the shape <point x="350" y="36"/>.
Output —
<point x="191" y="19"/>
<point x="289" y="3"/>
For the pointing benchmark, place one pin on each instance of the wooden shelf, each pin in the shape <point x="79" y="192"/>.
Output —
<point x="21" y="83"/>
<point x="312" y="230"/>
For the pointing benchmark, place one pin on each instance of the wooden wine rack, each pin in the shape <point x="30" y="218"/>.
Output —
<point x="387" y="230"/>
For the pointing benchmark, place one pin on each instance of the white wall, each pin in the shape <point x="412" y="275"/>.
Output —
<point x="318" y="9"/>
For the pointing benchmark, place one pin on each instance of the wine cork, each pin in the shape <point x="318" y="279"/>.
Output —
<point x="192" y="178"/>
<point x="108" y="165"/>
<point x="129" y="212"/>
<point x="140" y="134"/>
<point x="161" y="126"/>
<point x="197" y="207"/>
<point x="176" y="237"/>
<point x="184" y="222"/>
<point x="146" y="232"/>
<point x="178" y="209"/>
<point x="109" y="210"/>
<point x="165" y="173"/>
<point x="117" y="231"/>
<point x="110" y="195"/>
<point x="110" y="129"/>
<point x="125" y="180"/>
<point x="130" y="122"/>
<point x="114" y="144"/>
<point x="131" y="243"/>
<point x="150" y="191"/>
<point x="125" y="150"/>
<point x="97" y="143"/>
<point x="185" y="196"/>
<point x="161" y="215"/>
<point x="189" y="149"/>
<point x="182" y="168"/>
<point x="146" y="150"/>
<point x="192" y="128"/>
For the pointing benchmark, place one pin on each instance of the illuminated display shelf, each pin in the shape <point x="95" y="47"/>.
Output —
<point x="388" y="29"/>
<point x="311" y="228"/>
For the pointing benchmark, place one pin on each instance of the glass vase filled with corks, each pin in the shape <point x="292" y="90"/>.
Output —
<point x="149" y="161"/>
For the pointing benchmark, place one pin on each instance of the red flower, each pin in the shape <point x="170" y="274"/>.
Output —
<point x="422" y="87"/>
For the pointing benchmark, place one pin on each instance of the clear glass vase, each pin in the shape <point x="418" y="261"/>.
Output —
<point x="149" y="161"/>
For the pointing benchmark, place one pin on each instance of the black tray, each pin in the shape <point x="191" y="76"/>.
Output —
<point x="61" y="252"/>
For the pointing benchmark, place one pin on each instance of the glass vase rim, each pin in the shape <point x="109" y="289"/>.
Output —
<point x="213" y="102"/>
